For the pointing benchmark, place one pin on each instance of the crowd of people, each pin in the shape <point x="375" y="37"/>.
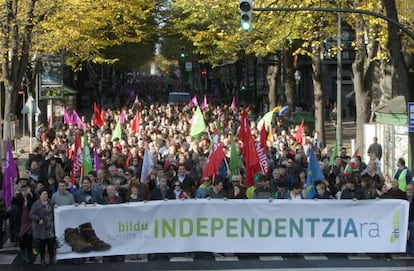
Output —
<point x="179" y="160"/>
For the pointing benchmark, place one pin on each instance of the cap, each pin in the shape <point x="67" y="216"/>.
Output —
<point x="259" y="177"/>
<point x="22" y="179"/>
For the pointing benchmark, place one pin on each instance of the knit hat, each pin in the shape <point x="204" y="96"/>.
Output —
<point x="259" y="177"/>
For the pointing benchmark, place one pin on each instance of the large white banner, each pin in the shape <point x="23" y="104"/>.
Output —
<point x="248" y="226"/>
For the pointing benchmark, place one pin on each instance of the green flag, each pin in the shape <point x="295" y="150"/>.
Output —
<point x="219" y="127"/>
<point x="117" y="133"/>
<point x="234" y="163"/>
<point x="266" y="120"/>
<point x="333" y="155"/>
<point x="198" y="125"/>
<point x="86" y="156"/>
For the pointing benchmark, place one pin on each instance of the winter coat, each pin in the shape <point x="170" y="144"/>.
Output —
<point x="42" y="212"/>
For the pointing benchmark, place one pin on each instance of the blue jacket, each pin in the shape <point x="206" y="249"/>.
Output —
<point x="95" y="197"/>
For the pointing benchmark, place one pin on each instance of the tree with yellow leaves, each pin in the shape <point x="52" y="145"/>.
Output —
<point x="82" y="29"/>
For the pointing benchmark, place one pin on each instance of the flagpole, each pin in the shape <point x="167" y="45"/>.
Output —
<point x="227" y="165"/>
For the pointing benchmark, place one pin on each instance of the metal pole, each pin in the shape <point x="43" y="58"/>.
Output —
<point x="24" y="117"/>
<point x="339" y="81"/>
<point x="37" y="103"/>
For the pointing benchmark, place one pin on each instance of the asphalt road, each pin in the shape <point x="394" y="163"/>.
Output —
<point x="207" y="261"/>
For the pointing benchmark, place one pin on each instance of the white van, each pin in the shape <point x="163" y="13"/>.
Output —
<point x="178" y="97"/>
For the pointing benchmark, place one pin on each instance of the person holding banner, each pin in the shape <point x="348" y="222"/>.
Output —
<point x="410" y="196"/>
<point x="88" y="194"/>
<point x="352" y="190"/>
<point x="322" y="192"/>
<point x="162" y="191"/>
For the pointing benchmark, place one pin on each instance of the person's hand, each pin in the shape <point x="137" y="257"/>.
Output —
<point x="41" y="221"/>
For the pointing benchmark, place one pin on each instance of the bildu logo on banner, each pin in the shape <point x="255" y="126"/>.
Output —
<point x="395" y="235"/>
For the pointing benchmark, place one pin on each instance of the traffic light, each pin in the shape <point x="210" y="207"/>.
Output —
<point x="182" y="52"/>
<point x="246" y="10"/>
<point x="243" y="88"/>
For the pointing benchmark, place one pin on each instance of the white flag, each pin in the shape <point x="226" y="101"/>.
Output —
<point x="147" y="166"/>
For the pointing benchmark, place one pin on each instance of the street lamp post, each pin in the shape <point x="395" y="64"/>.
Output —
<point x="339" y="81"/>
<point x="297" y="80"/>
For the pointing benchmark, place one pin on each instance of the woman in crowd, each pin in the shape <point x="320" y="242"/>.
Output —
<point x="43" y="226"/>
<point x="137" y="192"/>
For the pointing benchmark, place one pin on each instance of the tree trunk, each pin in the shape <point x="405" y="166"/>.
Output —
<point x="15" y="46"/>
<point x="319" y="101"/>
<point x="271" y="76"/>
<point x="405" y="79"/>
<point x="362" y="100"/>
<point x="395" y="47"/>
<point x="8" y="111"/>
<point x="289" y="80"/>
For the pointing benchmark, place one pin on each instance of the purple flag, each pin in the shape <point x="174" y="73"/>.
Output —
<point x="10" y="173"/>
<point x="77" y="120"/>
<point x="233" y="104"/>
<point x="204" y="104"/>
<point x="67" y="119"/>
<point x="122" y="117"/>
<point x="96" y="160"/>
<point x="194" y="101"/>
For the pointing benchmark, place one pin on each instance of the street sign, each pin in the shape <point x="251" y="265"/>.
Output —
<point x="50" y="92"/>
<point x="30" y="107"/>
<point x="410" y="117"/>
<point x="188" y="66"/>
<point x="51" y="70"/>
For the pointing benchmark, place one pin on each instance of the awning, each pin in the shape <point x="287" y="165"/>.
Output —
<point x="68" y="91"/>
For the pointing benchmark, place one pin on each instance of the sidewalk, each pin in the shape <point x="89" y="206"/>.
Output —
<point x="348" y="133"/>
<point x="22" y="150"/>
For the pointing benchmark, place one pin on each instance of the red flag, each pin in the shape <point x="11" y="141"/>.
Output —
<point x="135" y="123"/>
<point x="243" y="124"/>
<point x="215" y="158"/>
<point x="97" y="116"/>
<point x="263" y="138"/>
<point x="103" y="115"/>
<point x="77" y="159"/>
<point x="261" y="148"/>
<point x="250" y="156"/>
<point x="299" y="132"/>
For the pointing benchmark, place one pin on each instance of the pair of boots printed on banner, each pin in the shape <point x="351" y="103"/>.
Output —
<point x="84" y="239"/>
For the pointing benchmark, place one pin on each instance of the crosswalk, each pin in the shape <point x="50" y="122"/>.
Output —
<point x="15" y="257"/>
